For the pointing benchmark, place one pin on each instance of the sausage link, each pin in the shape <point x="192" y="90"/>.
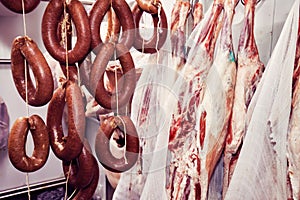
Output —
<point x="102" y="143"/>
<point x="17" y="141"/>
<point x="125" y="17"/>
<point x="88" y="192"/>
<point x="26" y="48"/>
<point x="16" y="5"/>
<point x="66" y="147"/>
<point x="51" y="18"/>
<point x="123" y="13"/>
<point x="96" y="16"/>
<point x="151" y="45"/>
<point x="81" y="173"/>
<point x="99" y="65"/>
<point x="109" y="100"/>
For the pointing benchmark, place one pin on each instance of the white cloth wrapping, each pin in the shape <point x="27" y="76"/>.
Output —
<point x="261" y="170"/>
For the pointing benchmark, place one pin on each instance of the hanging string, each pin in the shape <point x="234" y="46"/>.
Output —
<point x="125" y="144"/>
<point x="116" y="89"/>
<point x="158" y="33"/>
<point x="26" y="88"/>
<point x="143" y="40"/>
<point x="67" y="181"/>
<point x="71" y="196"/>
<point x="65" y="38"/>
<point x="28" y="187"/>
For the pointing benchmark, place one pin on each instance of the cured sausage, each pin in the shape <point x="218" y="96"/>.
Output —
<point x="108" y="126"/>
<point x="103" y="97"/>
<point x="25" y="48"/>
<point x="96" y="15"/>
<point x="88" y="192"/>
<point x="124" y="15"/>
<point x="17" y="140"/>
<point x="81" y="173"/>
<point x="151" y="45"/>
<point x="50" y="21"/>
<point x="99" y="65"/>
<point x="149" y="6"/>
<point x="16" y="5"/>
<point x="66" y="147"/>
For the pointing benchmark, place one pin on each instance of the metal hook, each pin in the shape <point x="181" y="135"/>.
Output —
<point x="243" y="2"/>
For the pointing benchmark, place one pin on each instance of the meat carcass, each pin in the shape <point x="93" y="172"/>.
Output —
<point x="179" y="15"/>
<point x="197" y="13"/>
<point x="261" y="170"/>
<point x="294" y="130"/>
<point x="249" y="73"/>
<point x="216" y="109"/>
<point x="184" y="172"/>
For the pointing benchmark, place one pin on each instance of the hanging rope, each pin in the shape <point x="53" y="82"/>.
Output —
<point x="26" y="89"/>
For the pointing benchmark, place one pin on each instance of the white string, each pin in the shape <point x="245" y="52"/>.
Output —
<point x="125" y="144"/>
<point x="28" y="187"/>
<point x="24" y="21"/>
<point x="116" y="89"/>
<point x="65" y="20"/>
<point x="143" y="42"/>
<point x="157" y="33"/>
<point x="26" y="88"/>
<point x="71" y="196"/>
<point x="67" y="180"/>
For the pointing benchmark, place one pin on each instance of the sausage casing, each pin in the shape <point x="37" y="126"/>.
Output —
<point x="17" y="141"/>
<point x="102" y="144"/>
<point x="81" y="173"/>
<point x="24" y="48"/>
<point x="50" y="21"/>
<point x="157" y="40"/>
<point x="66" y="147"/>
<point x="122" y="96"/>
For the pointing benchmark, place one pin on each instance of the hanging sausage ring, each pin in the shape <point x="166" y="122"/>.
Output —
<point x="124" y="15"/>
<point x="50" y="21"/>
<point x="121" y="97"/>
<point x="81" y="171"/>
<point x="26" y="48"/>
<point x="88" y="191"/>
<point x="16" y="5"/>
<point x="106" y="158"/>
<point x="17" y="141"/>
<point x="151" y="45"/>
<point x="66" y="147"/>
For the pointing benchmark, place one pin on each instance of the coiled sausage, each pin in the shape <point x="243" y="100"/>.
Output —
<point x="151" y="45"/>
<point x="66" y="147"/>
<point x="24" y="48"/>
<point x="107" y="99"/>
<point x="124" y="15"/>
<point x="51" y="18"/>
<point x="17" y="140"/>
<point x="102" y="147"/>
<point x="81" y="173"/>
